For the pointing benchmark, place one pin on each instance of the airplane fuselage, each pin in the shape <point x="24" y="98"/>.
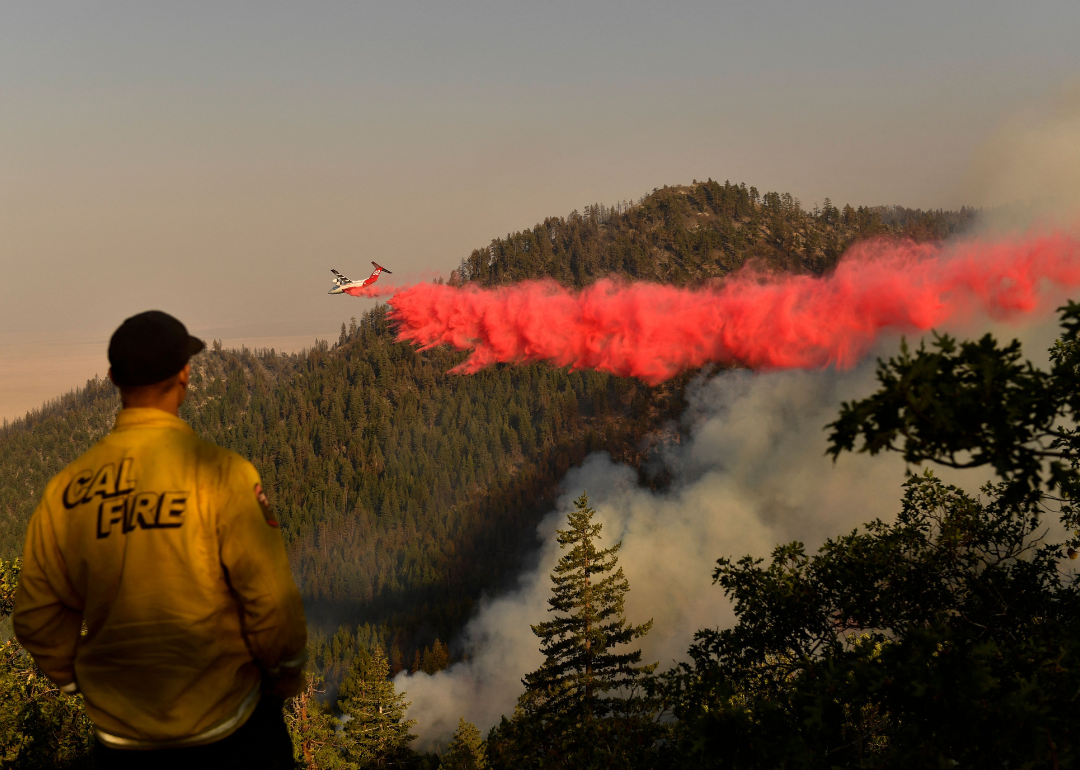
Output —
<point x="343" y="285"/>
<point x="344" y="288"/>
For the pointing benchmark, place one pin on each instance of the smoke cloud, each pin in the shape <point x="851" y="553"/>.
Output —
<point x="1029" y="168"/>
<point x="752" y="474"/>
<point x="753" y="471"/>
<point x="653" y="332"/>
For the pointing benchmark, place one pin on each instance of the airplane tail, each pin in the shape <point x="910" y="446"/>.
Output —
<point x="380" y="267"/>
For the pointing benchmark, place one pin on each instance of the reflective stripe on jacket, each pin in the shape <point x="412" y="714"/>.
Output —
<point x="164" y="545"/>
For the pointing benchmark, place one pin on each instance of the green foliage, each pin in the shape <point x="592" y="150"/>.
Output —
<point x="376" y="733"/>
<point x="689" y="234"/>
<point x="466" y="749"/>
<point x="34" y="449"/>
<point x="628" y="738"/>
<point x="587" y="705"/>
<point x="977" y="403"/>
<point x="589" y="597"/>
<point x="433" y="659"/>
<point x="334" y="656"/>
<point x="317" y="742"/>
<point x="948" y="638"/>
<point x="403" y="492"/>
<point x="9" y="581"/>
<point x="39" y="726"/>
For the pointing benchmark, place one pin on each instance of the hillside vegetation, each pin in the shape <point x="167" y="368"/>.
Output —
<point x="403" y="491"/>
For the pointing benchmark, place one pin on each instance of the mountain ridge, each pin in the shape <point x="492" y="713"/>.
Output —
<point x="405" y="492"/>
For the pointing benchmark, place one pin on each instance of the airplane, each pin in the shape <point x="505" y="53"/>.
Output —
<point x="343" y="285"/>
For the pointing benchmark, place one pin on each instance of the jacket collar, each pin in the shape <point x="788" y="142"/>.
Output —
<point x="126" y="419"/>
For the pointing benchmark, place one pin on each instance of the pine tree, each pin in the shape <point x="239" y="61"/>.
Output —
<point x="39" y="726"/>
<point x="589" y="596"/>
<point x="466" y="749"/>
<point x="376" y="732"/>
<point x="435" y="659"/>
<point x="316" y="742"/>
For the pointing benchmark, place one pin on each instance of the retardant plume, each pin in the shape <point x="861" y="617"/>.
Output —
<point x="653" y="332"/>
<point x="374" y="291"/>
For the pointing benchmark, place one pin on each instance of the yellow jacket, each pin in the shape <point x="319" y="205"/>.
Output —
<point x="165" y="547"/>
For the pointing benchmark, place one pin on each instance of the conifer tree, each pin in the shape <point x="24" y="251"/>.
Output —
<point x="39" y="726"/>
<point x="376" y="732"/>
<point x="317" y="744"/>
<point x="466" y="749"/>
<point x="435" y="659"/>
<point x="588" y="596"/>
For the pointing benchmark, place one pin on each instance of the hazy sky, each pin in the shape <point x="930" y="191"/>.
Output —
<point x="215" y="160"/>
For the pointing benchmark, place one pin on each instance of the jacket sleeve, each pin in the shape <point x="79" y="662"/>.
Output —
<point x="257" y="567"/>
<point x="47" y="618"/>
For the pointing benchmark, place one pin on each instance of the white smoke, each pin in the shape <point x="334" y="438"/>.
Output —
<point x="752" y="474"/>
<point x="1028" y="169"/>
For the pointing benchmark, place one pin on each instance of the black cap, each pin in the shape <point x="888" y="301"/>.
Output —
<point x="150" y="347"/>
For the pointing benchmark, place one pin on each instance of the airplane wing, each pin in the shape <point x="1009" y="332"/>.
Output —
<point x="339" y="279"/>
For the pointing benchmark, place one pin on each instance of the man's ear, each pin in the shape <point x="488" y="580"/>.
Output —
<point x="184" y="376"/>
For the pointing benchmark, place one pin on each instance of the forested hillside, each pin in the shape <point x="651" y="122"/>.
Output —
<point x="404" y="492"/>
<point x="683" y="235"/>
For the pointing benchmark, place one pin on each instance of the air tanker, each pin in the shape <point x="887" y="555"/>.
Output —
<point x="343" y="285"/>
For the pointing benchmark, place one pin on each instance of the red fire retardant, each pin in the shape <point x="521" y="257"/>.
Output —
<point x="653" y="332"/>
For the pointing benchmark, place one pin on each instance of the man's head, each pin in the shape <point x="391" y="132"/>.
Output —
<point x="148" y="356"/>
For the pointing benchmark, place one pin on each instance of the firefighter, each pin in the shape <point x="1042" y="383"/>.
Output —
<point x="155" y="580"/>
